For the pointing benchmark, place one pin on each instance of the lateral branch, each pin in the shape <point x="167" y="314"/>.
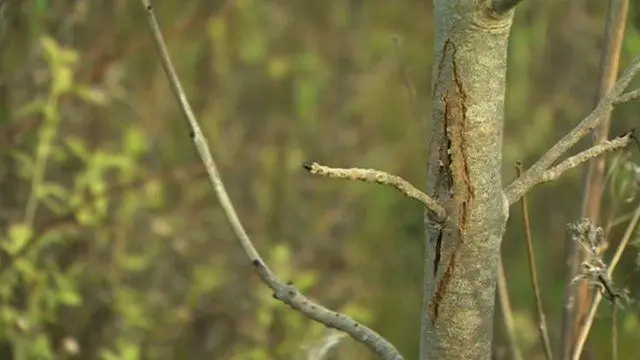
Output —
<point x="535" y="173"/>
<point x="382" y="178"/>
<point x="595" y="151"/>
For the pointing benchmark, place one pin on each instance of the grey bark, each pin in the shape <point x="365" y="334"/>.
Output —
<point x="464" y="175"/>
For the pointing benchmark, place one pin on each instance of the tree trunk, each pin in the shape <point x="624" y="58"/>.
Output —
<point x="465" y="174"/>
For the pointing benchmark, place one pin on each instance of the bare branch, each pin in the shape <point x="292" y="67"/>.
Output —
<point x="595" y="151"/>
<point x="534" y="174"/>
<point x="584" y="332"/>
<point x="626" y="97"/>
<point x="286" y="293"/>
<point x="502" y="6"/>
<point x="379" y="177"/>
<point x="542" y="320"/>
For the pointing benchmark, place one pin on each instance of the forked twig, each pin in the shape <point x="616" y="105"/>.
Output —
<point x="379" y="177"/>
<point x="534" y="174"/>
<point x="586" y="155"/>
<point x="286" y="293"/>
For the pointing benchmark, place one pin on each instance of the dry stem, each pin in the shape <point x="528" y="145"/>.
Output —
<point x="507" y="313"/>
<point x="533" y="271"/>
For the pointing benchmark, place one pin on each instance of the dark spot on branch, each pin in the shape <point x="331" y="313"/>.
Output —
<point x="436" y="259"/>
<point x="256" y="263"/>
<point x="307" y="165"/>
<point x="632" y="134"/>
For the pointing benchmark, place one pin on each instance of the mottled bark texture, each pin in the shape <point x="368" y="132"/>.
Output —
<point x="465" y="169"/>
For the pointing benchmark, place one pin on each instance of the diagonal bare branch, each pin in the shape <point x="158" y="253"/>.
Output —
<point x="534" y="174"/>
<point x="286" y="293"/>
<point x="379" y="177"/>
<point x="584" y="156"/>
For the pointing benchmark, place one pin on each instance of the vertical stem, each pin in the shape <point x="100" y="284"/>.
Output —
<point x="542" y="321"/>
<point x="507" y="313"/>
<point x="578" y="296"/>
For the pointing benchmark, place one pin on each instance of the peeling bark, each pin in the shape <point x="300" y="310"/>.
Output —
<point x="465" y="169"/>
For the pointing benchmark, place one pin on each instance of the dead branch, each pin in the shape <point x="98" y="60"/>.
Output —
<point x="286" y="293"/>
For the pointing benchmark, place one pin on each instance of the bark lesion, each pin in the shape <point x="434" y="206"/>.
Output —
<point x="455" y="182"/>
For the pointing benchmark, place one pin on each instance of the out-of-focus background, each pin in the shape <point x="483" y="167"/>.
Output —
<point x="114" y="245"/>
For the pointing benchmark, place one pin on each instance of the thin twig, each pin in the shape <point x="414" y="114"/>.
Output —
<point x="532" y="176"/>
<point x="286" y="293"/>
<point x="533" y="271"/>
<point x="379" y="177"/>
<point x="570" y="163"/>
<point x="507" y="313"/>
<point x="584" y="332"/>
<point x="631" y="95"/>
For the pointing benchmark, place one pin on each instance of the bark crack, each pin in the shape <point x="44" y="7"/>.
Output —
<point x="454" y="169"/>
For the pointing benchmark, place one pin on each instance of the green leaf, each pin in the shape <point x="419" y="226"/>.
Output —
<point x="19" y="236"/>
<point x="78" y="148"/>
<point x="135" y="142"/>
<point x="92" y="95"/>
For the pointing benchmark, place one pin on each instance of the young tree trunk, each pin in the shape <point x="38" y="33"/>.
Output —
<point x="465" y="170"/>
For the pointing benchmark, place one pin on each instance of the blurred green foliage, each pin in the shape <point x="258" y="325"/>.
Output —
<point x="113" y="245"/>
